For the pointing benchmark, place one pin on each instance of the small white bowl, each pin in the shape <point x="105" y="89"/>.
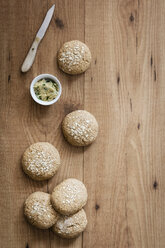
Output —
<point x="42" y="76"/>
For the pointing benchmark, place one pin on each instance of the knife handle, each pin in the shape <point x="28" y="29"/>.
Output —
<point x="30" y="56"/>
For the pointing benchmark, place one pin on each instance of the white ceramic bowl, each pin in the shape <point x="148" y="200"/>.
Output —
<point x="39" y="77"/>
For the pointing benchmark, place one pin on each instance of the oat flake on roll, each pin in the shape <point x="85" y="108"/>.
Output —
<point x="74" y="57"/>
<point x="39" y="211"/>
<point x="70" y="226"/>
<point x="69" y="196"/>
<point x="41" y="161"/>
<point x="80" y="128"/>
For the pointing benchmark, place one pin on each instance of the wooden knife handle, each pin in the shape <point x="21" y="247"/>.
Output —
<point x="30" y="56"/>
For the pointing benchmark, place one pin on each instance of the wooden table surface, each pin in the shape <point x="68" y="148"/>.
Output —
<point x="124" y="88"/>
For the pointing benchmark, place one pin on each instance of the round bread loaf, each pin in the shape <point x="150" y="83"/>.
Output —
<point x="80" y="128"/>
<point x="70" y="226"/>
<point x="69" y="196"/>
<point x="39" y="211"/>
<point x="41" y="161"/>
<point x="74" y="57"/>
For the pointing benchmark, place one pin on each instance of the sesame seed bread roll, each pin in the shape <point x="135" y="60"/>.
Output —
<point x="70" y="226"/>
<point x="80" y="128"/>
<point x="69" y="196"/>
<point x="41" y="161"/>
<point x="74" y="57"/>
<point x="39" y="211"/>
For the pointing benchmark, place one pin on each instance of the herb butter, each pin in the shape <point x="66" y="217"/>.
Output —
<point x="46" y="90"/>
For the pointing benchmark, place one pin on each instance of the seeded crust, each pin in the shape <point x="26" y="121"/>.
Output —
<point x="39" y="211"/>
<point x="80" y="128"/>
<point x="69" y="196"/>
<point x="74" y="57"/>
<point x="41" y="161"/>
<point x="70" y="226"/>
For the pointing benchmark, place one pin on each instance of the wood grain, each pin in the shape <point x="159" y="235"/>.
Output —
<point x="124" y="88"/>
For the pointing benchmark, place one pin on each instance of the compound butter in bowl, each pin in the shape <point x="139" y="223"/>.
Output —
<point x="45" y="89"/>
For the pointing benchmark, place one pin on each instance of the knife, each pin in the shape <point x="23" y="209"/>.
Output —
<point x="41" y="32"/>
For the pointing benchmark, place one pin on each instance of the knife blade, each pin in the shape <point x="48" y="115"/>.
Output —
<point x="40" y="34"/>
